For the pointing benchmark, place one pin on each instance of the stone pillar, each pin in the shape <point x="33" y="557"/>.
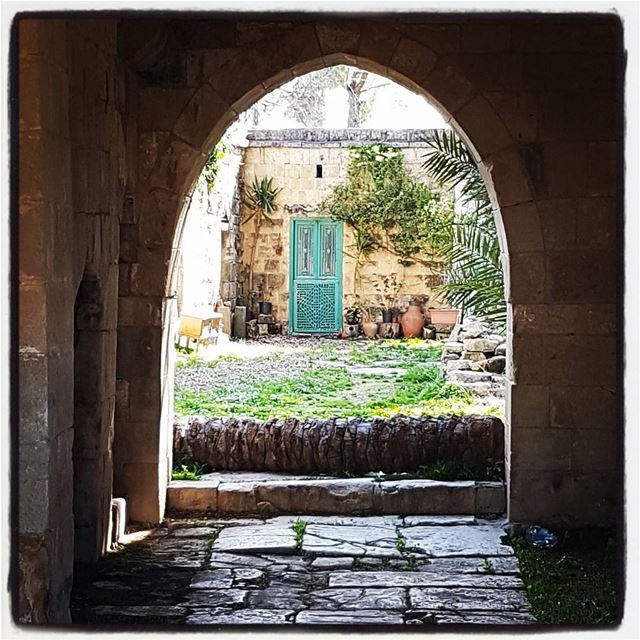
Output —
<point x="45" y="471"/>
<point x="562" y="402"/>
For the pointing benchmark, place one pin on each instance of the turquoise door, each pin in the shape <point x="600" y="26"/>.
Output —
<point x="315" y="283"/>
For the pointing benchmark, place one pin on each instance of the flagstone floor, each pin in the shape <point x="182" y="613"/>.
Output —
<point x="312" y="570"/>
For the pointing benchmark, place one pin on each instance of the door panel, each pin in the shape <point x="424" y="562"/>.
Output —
<point x="316" y="276"/>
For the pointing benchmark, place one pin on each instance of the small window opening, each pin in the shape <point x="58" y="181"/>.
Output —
<point x="318" y="171"/>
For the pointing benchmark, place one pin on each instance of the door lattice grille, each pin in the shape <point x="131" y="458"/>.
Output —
<point x="316" y="306"/>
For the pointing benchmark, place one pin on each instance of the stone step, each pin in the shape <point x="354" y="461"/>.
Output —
<point x="336" y="496"/>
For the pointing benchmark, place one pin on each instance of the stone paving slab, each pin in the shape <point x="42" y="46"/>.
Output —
<point x="139" y="614"/>
<point x="241" y="616"/>
<point x="362" y="617"/>
<point x="478" y="540"/>
<point x="422" y="579"/>
<point x="340" y="521"/>
<point x="257" y="539"/>
<point x="501" y="565"/>
<point x="486" y="618"/>
<point x="221" y="560"/>
<point x="421" y="521"/>
<point x="331" y="540"/>
<point x="468" y="599"/>
<point x="384" y="598"/>
<point x="278" y="597"/>
<point x="216" y="598"/>
<point x="217" y="579"/>
<point x="194" y="532"/>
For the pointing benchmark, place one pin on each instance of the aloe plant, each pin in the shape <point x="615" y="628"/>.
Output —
<point x="260" y="198"/>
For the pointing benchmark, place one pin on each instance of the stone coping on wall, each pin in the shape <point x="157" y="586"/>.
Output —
<point x="336" y="137"/>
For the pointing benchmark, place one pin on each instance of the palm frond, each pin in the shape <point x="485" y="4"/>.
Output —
<point x="450" y="163"/>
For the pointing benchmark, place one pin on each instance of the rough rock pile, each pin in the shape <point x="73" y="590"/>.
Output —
<point x="475" y="357"/>
<point x="351" y="445"/>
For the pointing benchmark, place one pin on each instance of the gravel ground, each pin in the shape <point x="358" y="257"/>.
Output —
<point x="243" y="364"/>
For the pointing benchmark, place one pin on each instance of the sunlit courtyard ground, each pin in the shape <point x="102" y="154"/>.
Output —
<point x="322" y="378"/>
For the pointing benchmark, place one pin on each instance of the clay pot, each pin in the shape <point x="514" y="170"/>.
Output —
<point x="387" y="315"/>
<point x="351" y="330"/>
<point x="389" y="330"/>
<point x="412" y="321"/>
<point x="370" y="329"/>
<point x="444" y="316"/>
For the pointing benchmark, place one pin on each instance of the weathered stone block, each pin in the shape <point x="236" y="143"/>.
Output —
<point x="529" y="405"/>
<point x="425" y="497"/>
<point x="543" y="497"/>
<point x="522" y="227"/>
<point x="237" y="497"/>
<point x="585" y="408"/>
<point x="526" y="278"/>
<point x="377" y="42"/>
<point x="327" y="496"/>
<point x="160" y="107"/>
<point x="541" y="449"/>
<point x="478" y="115"/>
<point x="239" y="322"/>
<point x="496" y="364"/>
<point x="480" y="344"/>
<point x="581" y="276"/>
<point x="593" y="451"/>
<point x="139" y="351"/>
<point x="412" y="59"/>
<point x="490" y="498"/>
<point x="596" y="355"/>
<point x="197" y="495"/>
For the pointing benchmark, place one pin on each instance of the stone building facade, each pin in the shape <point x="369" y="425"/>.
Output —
<point x="114" y="121"/>
<point x="306" y="164"/>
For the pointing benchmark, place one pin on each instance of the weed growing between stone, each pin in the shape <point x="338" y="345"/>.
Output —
<point x="573" y="583"/>
<point x="191" y="471"/>
<point x="487" y="566"/>
<point x="299" y="527"/>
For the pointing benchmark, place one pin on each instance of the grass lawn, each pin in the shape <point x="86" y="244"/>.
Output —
<point x="341" y="380"/>
<point x="573" y="583"/>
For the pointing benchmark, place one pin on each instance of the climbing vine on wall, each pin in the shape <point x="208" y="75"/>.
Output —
<point x="212" y="164"/>
<point x="389" y="208"/>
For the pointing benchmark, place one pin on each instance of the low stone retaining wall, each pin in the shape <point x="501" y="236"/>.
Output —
<point x="474" y="357"/>
<point x="354" y="445"/>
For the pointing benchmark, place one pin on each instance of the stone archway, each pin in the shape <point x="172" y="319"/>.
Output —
<point x="182" y="123"/>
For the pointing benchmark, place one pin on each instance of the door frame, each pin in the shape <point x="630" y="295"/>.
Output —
<point x="339" y="271"/>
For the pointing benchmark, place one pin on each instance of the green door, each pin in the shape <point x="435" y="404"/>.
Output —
<point x="315" y="284"/>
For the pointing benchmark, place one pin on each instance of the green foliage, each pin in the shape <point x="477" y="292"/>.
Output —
<point x="192" y="471"/>
<point x="299" y="527"/>
<point x="212" y="164"/>
<point x="387" y="207"/>
<point x="575" y="582"/>
<point x="448" y="471"/>
<point x="324" y="393"/>
<point x="474" y="279"/>
<point x="338" y="390"/>
<point x="407" y="351"/>
<point x="487" y="566"/>
<point x="260" y="197"/>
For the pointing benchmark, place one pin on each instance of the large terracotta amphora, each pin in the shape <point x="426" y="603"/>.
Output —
<point x="412" y="321"/>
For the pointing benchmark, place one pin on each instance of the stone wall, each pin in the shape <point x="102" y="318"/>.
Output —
<point x="293" y="159"/>
<point x="76" y="136"/>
